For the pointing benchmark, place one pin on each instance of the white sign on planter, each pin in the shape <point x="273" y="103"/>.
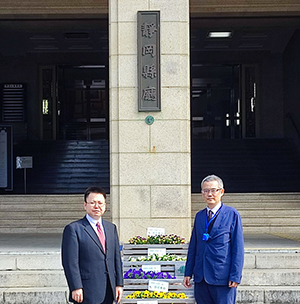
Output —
<point x="158" y="251"/>
<point x="147" y="302"/>
<point x="155" y="268"/>
<point x="158" y="285"/>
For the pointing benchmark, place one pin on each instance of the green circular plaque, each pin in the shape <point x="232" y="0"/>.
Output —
<point x="149" y="120"/>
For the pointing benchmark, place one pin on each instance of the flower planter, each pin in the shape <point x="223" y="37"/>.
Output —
<point x="165" y="301"/>
<point x="142" y="249"/>
<point x="174" y="268"/>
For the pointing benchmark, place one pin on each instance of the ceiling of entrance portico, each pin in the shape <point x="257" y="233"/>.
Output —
<point x="259" y="34"/>
<point x="19" y="37"/>
<point x="91" y="35"/>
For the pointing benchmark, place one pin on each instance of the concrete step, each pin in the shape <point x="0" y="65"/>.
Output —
<point x="31" y="278"/>
<point x="265" y="221"/>
<point x="41" y="213"/>
<point x="45" y="270"/>
<point x="50" y="213"/>
<point x="278" y="212"/>
<point x="56" y="278"/>
<point x="252" y="229"/>
<point x="36" y="277"/>
<point x="271" y="277"/>
<point x="37" y="207"/>
<point x="40" y="222"/>
<point x="279" y="205"/>
<point x="40" y="230"/>
<point x="275" y="212"/>
<point x="268" y="294"/>
<point x="245" y="207"/>
<point x="35" y="295"/>
<point x="30" y="261"/>
<point x="284" y="259"/>
<point x="59" y="295"/>
<point x="253" y="197"/>
<point x="263" y="197"/>
<point x="280" y="260"/>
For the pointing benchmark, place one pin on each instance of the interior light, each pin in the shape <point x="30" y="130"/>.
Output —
<point x="219" y="34"/>
<point x="45" y="106"/>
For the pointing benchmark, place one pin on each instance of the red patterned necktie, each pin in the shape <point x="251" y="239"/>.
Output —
<point x="101" y="236"/>
<point x="210" y="214"/>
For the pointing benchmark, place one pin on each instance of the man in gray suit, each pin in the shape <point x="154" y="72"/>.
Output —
<point x="91" y="254"/>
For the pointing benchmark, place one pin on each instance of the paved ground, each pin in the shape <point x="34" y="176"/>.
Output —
<point x="51" y="242"/>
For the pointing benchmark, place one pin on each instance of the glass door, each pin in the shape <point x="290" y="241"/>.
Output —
<point x="47" y="97"/>
<point x="250" y="100"/>
<point x="216" y="108"/>
<point x="83" y="104"/>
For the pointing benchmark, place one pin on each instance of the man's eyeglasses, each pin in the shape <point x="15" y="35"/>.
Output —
<point x="213" y="191"/>
<point x="100" y="204"/>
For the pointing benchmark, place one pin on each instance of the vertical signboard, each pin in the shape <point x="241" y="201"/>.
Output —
<point x="13" y="102"/>
<point x="148" y="37"/>
<point x="6" y="158"/>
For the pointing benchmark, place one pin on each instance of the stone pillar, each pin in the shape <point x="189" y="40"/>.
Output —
<point x="150" y="184"/>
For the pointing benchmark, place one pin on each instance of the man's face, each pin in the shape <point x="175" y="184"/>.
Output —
<point x="95" y="205"/>
<point x="211" y="193"/>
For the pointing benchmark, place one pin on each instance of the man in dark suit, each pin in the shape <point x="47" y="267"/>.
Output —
<point x="91" y="254"/>
<point x="216" y="250"/>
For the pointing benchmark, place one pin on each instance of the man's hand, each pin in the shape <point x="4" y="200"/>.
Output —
<point x="187" y="282"/>
<point x="77" y="295"/>
<point x="233" y="284"/>
<point x="119" y="293"/>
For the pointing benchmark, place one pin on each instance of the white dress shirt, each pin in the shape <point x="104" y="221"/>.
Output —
<point x="215" y="209"/>
<point x="93" y="223"/>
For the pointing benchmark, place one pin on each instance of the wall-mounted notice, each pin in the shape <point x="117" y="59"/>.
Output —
<point x="13" y="102"/>
<point x="148" y="37"/>
<point x="6" y="157"/>
<point x="153" y="231"/>
<point x="3" y="159"/>
<point x="23" y="162"/>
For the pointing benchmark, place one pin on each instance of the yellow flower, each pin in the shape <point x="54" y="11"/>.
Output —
<point x="159" y="295"/>
<point x="182" y="296"/>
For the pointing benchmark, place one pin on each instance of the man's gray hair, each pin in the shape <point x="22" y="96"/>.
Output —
<point x="211" y="178"/>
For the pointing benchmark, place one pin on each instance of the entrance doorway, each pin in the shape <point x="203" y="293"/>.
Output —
<point x="74" y="102"/>
<point x="83" y="102"/>
<point x="224" y="101"/>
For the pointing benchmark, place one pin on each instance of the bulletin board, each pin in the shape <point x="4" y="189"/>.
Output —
<point x="6" y="158"/>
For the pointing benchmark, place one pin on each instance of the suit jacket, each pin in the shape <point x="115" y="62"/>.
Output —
<point x="85" y="263"/>
<point x="221" y="258"/>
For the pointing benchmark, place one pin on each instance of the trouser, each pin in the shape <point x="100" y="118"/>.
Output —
<point x="109" y="295"/>
<point x="214" y="294"/>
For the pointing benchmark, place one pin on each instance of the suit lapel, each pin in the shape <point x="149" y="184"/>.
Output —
<point x="202" y="222"/>
<point x="91" y="233"/>
<point x="218" y="221"/>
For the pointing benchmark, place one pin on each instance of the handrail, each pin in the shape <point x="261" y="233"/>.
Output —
<point x="289" y="115"/>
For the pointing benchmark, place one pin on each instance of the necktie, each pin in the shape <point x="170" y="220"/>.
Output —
<point x="101" y="235"/>
<point x="210" y="214"/>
